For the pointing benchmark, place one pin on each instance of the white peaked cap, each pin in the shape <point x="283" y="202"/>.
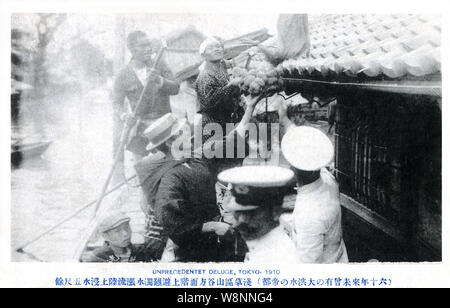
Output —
<point x="257" y="176"/>
<point x="307" y="148"/>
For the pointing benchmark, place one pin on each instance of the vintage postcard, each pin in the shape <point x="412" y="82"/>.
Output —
<point x="269" y="144"/>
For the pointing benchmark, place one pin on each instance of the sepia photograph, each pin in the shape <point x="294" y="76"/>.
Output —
<point x="195" y="140"/>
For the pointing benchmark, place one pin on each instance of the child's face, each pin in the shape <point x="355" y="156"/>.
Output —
<point x="119" y="236"/>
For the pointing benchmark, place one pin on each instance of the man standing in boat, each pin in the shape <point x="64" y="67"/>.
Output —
<point x="130" y="83"/>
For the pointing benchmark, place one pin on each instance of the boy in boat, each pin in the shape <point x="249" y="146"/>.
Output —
<point x="115" y="229"/>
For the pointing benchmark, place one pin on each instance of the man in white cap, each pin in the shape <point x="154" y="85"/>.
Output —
<point x="256" y="198"/>
<point x="317" y="230"/>
<point x="115" y="229"/>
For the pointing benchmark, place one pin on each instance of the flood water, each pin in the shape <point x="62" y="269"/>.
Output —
<point x="69" y="175"/>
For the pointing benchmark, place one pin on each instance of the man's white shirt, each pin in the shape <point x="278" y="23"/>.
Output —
<point x="273" y="247"/>
<point x="141" y="74"/>
<point x="317" y="229"/>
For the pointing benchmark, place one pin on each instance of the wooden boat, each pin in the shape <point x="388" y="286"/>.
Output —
<point x="21" y="151"/>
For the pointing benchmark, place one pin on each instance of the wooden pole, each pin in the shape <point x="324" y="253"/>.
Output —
<point x="20" y="248"/>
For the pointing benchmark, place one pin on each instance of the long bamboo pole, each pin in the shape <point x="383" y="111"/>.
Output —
<point x="20" y="248"/>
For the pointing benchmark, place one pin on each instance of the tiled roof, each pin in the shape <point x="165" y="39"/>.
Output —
<point x="394" y="46"/>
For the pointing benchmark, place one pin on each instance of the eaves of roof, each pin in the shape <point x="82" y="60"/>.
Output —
<point x="381" y="49"/>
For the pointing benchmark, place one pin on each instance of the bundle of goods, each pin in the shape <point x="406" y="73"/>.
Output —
<point x="263" y="80"/>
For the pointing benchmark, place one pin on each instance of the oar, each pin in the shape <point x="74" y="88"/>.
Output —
<point x="20" y="248"/>
<point x="125" y="133"/>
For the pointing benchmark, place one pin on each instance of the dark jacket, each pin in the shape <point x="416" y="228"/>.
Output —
<point x="153" y="106"/>
<point x="215" y="98"/>
<point x="186" y="199"/>
<point x="150" y="171"/>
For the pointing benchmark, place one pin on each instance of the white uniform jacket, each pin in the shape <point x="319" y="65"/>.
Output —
<point x="273" y="247"/>
<point x="317" y="229"/>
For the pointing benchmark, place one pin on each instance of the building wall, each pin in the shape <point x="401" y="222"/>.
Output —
<point x="388" y="162"/>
